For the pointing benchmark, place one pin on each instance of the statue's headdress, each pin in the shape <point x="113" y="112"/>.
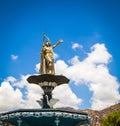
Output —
<point x="45" y="38"/>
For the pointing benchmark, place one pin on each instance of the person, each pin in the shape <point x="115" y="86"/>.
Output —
<point x="47" y="58"/>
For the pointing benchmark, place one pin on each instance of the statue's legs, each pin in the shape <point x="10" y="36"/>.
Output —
<point x="49" y="64"/>
<point x="51" y="68"/>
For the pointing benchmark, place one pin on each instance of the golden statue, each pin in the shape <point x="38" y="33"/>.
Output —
<point x="47" y="59"/>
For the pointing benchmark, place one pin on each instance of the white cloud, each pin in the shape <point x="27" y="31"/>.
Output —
<point x="11" y="94"/>
<point x="22" y="82"/>
<point x="74" y="60"/>
<point x="99" y="54"/>
<point x="10" y="79"/>
<point x="34" y="92"/>
<point x="76" y="45"/>
<point x="55" y="55"/>
<point x="60" y="67"/>
<point x="14" y="57"/>
<point x="37" y="67"/>
<point x="67" y="98"/>
<point x="94" y="72"/>
<point x="10" y="98"/>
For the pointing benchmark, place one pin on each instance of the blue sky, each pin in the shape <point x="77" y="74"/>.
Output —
<point x="90" y="30"/>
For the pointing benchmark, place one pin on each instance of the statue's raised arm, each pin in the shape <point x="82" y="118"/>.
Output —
<point x="60" y="41"/>
<point x="47" y="59"/>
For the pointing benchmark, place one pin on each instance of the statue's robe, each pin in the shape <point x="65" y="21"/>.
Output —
<point x="45" y="68"/>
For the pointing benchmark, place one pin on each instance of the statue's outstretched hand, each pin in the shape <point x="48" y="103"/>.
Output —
<point x="60" y="40"/>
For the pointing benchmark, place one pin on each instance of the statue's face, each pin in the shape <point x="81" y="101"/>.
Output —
<point x="48" y="43"/>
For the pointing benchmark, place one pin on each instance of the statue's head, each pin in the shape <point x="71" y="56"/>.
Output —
<point x="48" y="43"/>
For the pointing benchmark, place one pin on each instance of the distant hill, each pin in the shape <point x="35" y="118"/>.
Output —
<point x="97" y="116"/>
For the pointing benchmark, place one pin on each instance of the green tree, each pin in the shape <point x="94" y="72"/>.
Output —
<point x="113" y="119"/>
